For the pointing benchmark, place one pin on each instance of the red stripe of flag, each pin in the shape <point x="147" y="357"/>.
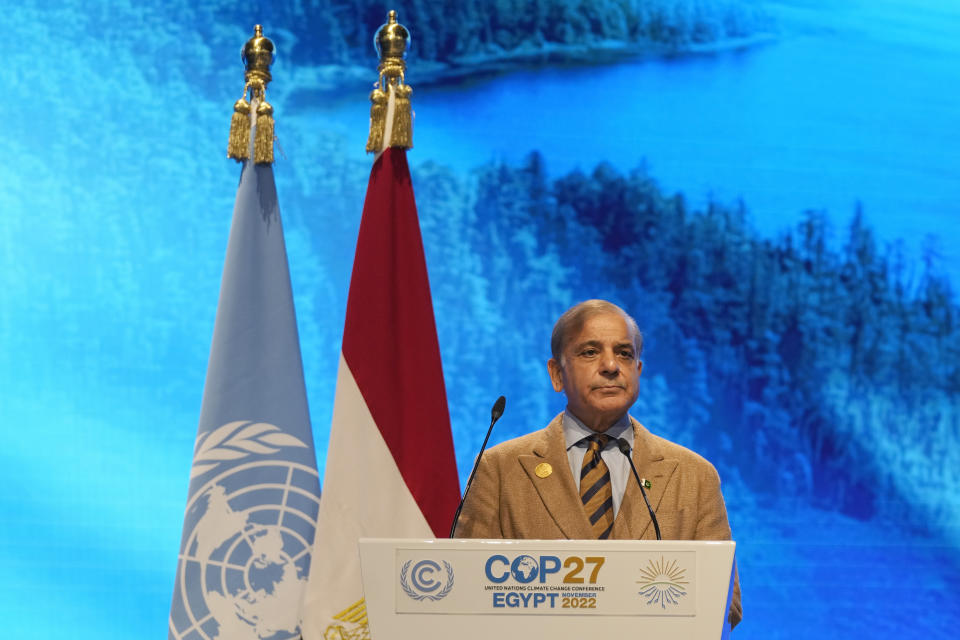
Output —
<point x="390" y="342"/>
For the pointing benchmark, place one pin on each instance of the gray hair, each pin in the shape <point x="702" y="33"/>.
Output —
<point x="573" y="319"/>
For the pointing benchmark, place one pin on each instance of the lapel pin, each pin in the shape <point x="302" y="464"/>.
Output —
<point x="543" y="470"/>
<point x="646" y="483"/>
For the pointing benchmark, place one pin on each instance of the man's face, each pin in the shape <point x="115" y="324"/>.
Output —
<point x="599" y="371"/>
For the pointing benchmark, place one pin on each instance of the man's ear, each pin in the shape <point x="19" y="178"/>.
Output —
<point x="639" y="367"/>
<point x="556" y="374"/>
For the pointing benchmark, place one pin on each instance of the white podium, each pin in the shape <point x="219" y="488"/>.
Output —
<point x="557" y="589"/>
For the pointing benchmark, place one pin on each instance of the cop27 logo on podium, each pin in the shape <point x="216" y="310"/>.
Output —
<point x="524" y="569"/>
<point x="426" y="580"/>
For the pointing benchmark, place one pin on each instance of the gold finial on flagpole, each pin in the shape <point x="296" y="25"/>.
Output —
<point x="257" y="56"/>
<point x="391" y="41"/>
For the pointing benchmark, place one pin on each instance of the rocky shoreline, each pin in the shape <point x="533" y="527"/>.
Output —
<point x="309" y="83"/>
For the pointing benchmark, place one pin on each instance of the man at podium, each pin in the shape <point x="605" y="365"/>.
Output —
<point x="572" y="480"/>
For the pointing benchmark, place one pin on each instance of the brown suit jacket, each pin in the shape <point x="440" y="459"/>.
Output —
<point x="509" y="500"/>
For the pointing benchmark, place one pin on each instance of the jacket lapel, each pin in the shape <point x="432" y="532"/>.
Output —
<point x="557" y="490"/>
<point x="633" y="520"/>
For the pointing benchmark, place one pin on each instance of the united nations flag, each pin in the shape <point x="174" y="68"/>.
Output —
<point x="254" y="492"/>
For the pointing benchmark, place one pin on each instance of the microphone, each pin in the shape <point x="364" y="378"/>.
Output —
<point x="497" y="411"/>
<point x="495" y="414"/>
<point x="625" y="450"/>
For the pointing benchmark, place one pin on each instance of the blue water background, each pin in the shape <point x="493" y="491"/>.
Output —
<point x="116" y="204"/>
<point x="854" y="104"/>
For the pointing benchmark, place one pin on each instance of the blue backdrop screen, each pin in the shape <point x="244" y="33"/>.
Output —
<point x="770" y="188"/>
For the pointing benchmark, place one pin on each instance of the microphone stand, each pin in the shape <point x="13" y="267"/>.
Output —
<point x="625" y="450"/>
<point x="495" y="414"/>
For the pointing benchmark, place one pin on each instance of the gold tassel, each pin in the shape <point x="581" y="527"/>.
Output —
<point x="402" y="135"/>
<point x="263" y="145"/>
<point x="378" y="119"/>
<point x="257" y="57"/>
<point x="238" y="146"/>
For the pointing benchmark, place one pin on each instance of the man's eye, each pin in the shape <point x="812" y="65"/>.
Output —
<point x="589" y="353"/>
<point x="628" y="355"/>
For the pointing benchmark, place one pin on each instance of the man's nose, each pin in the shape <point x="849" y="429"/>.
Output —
<point x="609" y="364"/>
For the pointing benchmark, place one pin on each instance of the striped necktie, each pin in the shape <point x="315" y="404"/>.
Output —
<point x="595" y="492"/>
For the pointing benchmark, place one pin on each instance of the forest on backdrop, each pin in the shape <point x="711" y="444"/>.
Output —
<point x="821" y="364"/>
<point x="810" y="369"/>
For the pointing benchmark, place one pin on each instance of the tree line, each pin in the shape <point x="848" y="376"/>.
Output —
<point x="805" y="367"/>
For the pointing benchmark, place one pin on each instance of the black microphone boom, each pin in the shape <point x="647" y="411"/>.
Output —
<point x="495" y="414"/>
<point x="625" y="450"/>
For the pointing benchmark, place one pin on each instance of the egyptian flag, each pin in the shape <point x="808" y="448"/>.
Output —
<point x="390" y="468"/>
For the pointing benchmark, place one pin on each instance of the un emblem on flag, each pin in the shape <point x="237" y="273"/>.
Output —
<point x="245" y="555"/>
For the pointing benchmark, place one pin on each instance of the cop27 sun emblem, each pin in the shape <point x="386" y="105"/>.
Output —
<point x="663" y="583"/>
<point x="426" y="580"/>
